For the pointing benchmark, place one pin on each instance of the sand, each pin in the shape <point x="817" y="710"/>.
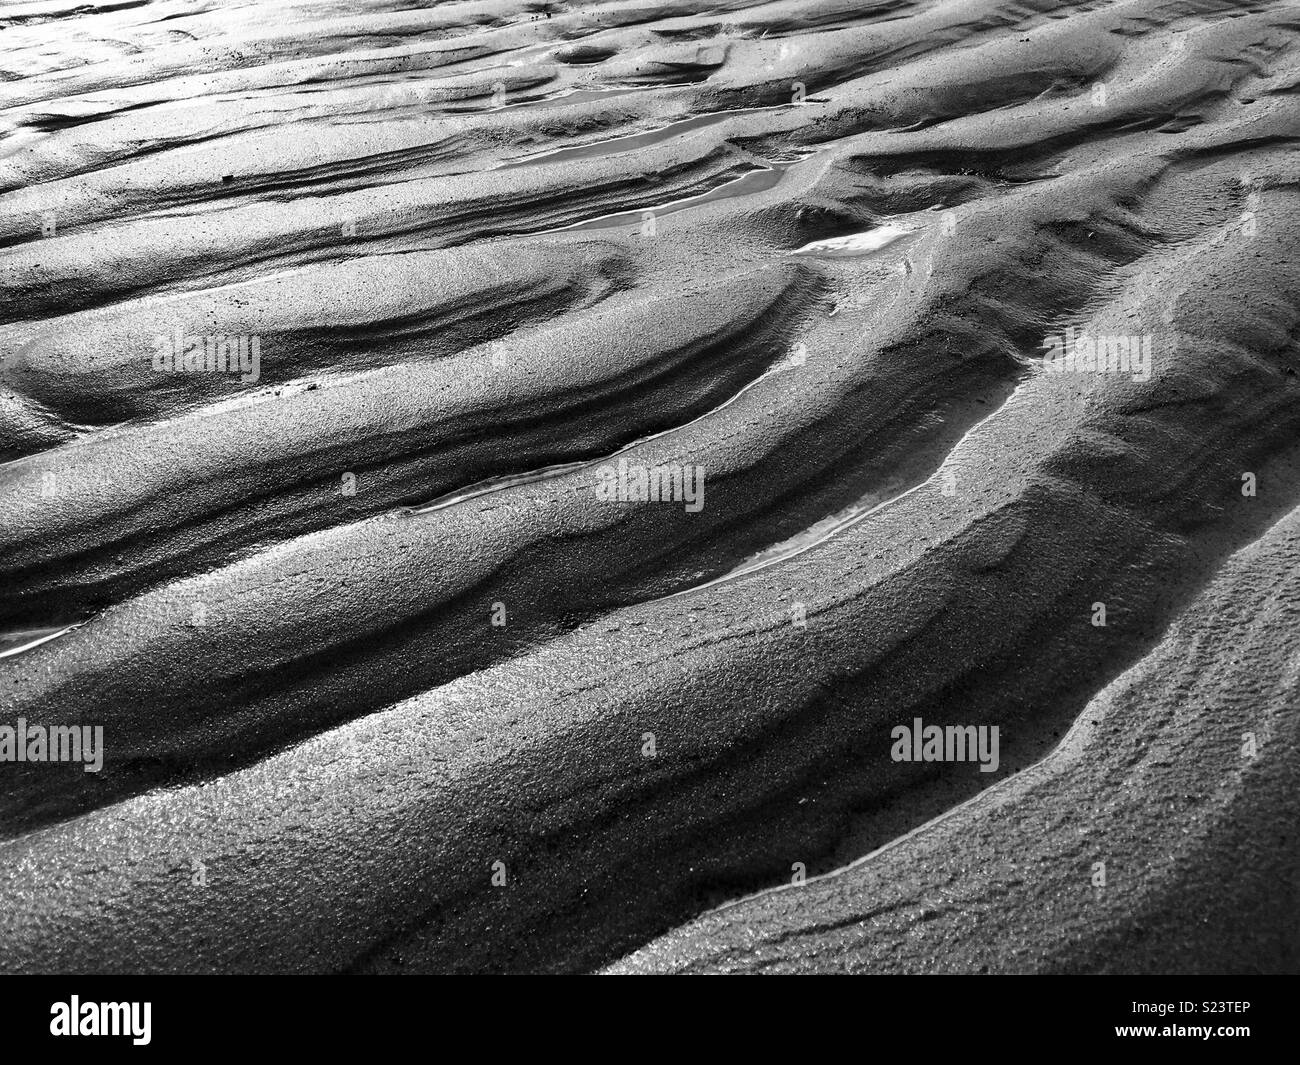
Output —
<point x="388" y="682"/>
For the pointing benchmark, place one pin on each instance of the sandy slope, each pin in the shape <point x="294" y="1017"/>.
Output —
<point x="864" y="222"/>
<point x="1159" y="837"/>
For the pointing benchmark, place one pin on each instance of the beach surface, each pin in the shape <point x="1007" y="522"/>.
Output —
<point x="340" y="345"/>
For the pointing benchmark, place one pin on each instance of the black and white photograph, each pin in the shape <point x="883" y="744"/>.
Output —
<point x="651" y="487"/>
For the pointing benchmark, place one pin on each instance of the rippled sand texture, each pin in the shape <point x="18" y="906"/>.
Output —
<point x="816" y="247"/>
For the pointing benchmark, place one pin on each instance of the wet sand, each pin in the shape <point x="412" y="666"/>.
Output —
<point x="388" y="683"/>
